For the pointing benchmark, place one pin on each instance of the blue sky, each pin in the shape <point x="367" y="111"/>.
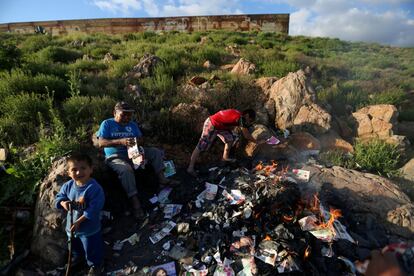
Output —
<point x="388" y="22"/>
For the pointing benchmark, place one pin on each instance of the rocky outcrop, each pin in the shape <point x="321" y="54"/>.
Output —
<point x="331" y="141"/>
<point x="49" y="238"/>
<point x="243" y="67"/>
<point x="407" y="171"/>
<point x="265" y="151"/>
<point x="108" y="58"/>
<point x="303" y="141"/>
<point x="289" y="94"/>
<point x="363" y="193"/>
<point x="145" y="67"/>
<point x="312" y="118"/>
<point x="379" y="121"/>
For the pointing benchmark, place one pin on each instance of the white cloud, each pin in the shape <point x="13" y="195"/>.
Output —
<point x="124" y="7"/>
<point x="170" y="7"/>
<point x="349" y="20"/>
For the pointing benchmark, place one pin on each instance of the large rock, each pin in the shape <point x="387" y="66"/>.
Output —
<point x="265" y="151"/>
<point x="303" y="141"/>
<point x="375" y="121"/>
<point x="192" y="115"/>
<point x="145" y="67"/>
<point x="49" y="239"/>
<point x="364" y="193"/>
<point x="312" y="118"/>
<point x="243" y="67"/>
<point x="407" y="171"/>
<point x="379" y="121"/>
<point x="289" y="94"/>
<point x="332" y="141"/>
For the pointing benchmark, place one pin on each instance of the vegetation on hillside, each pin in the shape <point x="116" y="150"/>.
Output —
<point x="56" y="90"/>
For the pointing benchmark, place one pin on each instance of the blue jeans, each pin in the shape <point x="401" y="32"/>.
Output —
<point x="90" y="247"/>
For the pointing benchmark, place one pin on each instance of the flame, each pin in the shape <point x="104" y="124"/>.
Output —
<point x="334" y="214"/>
<point x="307" y="252"/>
<point x="259" y="166"/>
<point x="267" y="238"/>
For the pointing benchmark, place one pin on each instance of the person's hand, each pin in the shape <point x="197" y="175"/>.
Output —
<point x="65" y="204"/>
<point x="128" y="142"/>
<point x="383" y="264"/>
<point x="75" y="226"/>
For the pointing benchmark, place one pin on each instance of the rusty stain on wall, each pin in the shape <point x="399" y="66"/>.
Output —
<point x="259" y="22"/>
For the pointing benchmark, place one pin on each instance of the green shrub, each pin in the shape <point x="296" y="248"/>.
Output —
<point x="118" y="68"/>
<point x="38" y="66"/>
<point x="98" y="52"/>
<point x="35" y="43"/>
<point x="86" y="111"/>
<point x="88" y="65"/>
<point x="337" y="158"/>
<point x="59" y="54"/>
<point x="210" y="53"/>
<point x="19" y="119"/>
<point x="9" y="55"/>
<point x="18" y="81"/>
<point x="377" y="156"/>
<point x="393" y="96"/>
<point x="279" y="68"/>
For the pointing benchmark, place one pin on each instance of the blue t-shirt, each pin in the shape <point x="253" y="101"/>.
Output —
<point x="93" y="198"/>
<point x="110" y="129"/>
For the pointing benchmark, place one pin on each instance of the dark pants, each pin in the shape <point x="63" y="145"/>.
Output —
<point x="90" y="247"/>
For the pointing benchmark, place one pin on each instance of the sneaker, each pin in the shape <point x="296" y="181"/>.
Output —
<point x="95" y="270"/>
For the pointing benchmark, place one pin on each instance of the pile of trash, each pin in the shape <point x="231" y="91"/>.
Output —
<point x="249" y="222"/>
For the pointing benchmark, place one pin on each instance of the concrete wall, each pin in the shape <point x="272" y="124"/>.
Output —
<point x="260" y="22"/>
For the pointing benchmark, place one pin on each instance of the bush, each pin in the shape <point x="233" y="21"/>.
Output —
<point x="278" y="68"/>
<point x="35" y="43"/>
<point x="59" y="54"/>
<point x="18" y="81"/>
<point x="88" y="111"/>
<point x="88" y="65"/>
<point x="118" y="68"/>
<point x="213" y="54"/>
<point x="338" y="158"/>
<point x="394" y="96"/>
<point x="9" y="55"/>
<point x="20" y="118"/>
<point x="377" y="156"/>
<point x="37" y="66"/>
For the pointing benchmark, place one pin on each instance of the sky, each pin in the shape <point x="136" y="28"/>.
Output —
<point x="388" y="22"/>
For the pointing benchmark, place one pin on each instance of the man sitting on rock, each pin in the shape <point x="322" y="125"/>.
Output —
<point x="115" y="135"/>
<point x="221" y="124"/>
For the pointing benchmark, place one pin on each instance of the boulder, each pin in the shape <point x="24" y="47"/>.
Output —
<point x="312" y="118"/>
<point x="193" y="115"/>
<point x="134" y="90"/>
<point x="303" y="141"/>
<point x="363" y="193"/>
<point x="375" y="121"/>
<point x="379" y="121"/>
<point x="243" y="67"/>
<point x="289" y="94"/>
<point x="145" y="66"/>
<point x="332" y="141"/>
<point x="407" y="171"/>
<point x="265" y="83"/>
<point x="342" y="128"/>
<point x="234" y="50"/>
<point x="49" y="241"/>
<point x="403" y="216"/>
<point x="265" y="151"/>
<point x="204" y="40"/>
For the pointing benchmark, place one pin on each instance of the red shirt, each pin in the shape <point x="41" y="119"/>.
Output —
<point x="226" y="119"/>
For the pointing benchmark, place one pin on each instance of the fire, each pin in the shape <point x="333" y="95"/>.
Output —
<point x="307" y="252"/>
<point x="267" y="238"/>
<point x="259" y="166"/>
<point x="334" y="214"/>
